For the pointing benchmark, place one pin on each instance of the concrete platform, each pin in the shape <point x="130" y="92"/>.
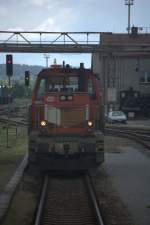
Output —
<point x="7" y="194"/>
<point x="130" y="173"/>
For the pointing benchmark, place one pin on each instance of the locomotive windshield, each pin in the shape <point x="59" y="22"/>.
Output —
<point x="57" y="84"/>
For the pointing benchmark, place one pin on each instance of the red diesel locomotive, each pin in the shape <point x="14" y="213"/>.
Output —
<point x="65" y="131"/>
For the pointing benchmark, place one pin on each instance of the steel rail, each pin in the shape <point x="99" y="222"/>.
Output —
<point x="44" y="197"/>
<point x="93" y="197"/>
<point x="12" y="122"/>
<point x="138" y="137"/>
<point x="137" y="134"/>
<point x="138" y="129"/>
<point x="41" y="202"/>
<point x="145" y="134"/>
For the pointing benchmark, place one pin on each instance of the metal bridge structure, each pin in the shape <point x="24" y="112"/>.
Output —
<point x="49" y="42"/>
<point x="64" y="42"/>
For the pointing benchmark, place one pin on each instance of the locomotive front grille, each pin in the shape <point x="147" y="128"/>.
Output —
<point x="66" y="117"/>
<point x="72" y="117"/>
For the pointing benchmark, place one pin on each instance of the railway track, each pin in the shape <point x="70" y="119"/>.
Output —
<point x="69" y="200"/>
<point x="13" y="121"/>
<point x="141" y="136"/>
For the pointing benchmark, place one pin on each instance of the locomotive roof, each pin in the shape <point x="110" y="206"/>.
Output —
<point x="63" y="72"/>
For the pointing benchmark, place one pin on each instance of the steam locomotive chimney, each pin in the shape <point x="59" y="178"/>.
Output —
<point x="81" y="81"/>
<point x="63" y="64"/>
<point x="81" y="65"/>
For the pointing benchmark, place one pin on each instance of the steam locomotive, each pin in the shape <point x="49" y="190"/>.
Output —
<point x="65" y="124"/>
<point x="135" y="102"/>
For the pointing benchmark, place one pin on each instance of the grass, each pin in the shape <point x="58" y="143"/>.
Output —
<point x="12" y="152"/>
<point x="25" y="199"/>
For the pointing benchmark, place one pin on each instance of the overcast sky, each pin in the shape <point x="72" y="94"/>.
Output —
<point x="68" y="15"/>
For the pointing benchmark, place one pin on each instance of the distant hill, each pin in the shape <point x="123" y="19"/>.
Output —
<point x="19" y="70"/>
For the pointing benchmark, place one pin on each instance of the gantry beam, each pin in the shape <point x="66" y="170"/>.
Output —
<point x="66" y="42"/>
<point x="47" y="48"/>
<point x="49" y="42"/>
<point x="68" y="48"/>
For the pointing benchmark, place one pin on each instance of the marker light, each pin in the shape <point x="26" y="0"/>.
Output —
<point x="62" y="97"/>
<point x="70" y="97"/>
<point x="90" y="123"/>
<point x="43" y="123"/>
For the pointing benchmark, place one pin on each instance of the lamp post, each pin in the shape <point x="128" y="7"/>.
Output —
<point x="46" y="58"/>
<point x="129" y="3"/>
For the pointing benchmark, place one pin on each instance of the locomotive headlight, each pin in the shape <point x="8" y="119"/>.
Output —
<point x="90" y="123"/>
<point x="43" y="123"/>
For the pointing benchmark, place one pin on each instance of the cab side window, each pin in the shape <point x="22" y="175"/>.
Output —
<point x="91" y="91"/>
<point x="41" y="89"/>
<point x="90" y="87"/>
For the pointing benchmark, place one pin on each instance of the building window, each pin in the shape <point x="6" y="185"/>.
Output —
<point x="145" y="78"/>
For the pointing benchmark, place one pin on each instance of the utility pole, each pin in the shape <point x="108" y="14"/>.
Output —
<point x="46" y="58"/>
<point x="9" y="73"/>
<point x="129" y="3"/>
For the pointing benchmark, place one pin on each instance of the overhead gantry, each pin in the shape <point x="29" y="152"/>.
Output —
<point x="64" y="42"/>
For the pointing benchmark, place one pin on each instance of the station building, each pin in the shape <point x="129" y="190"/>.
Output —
<point x="125" y="69"/>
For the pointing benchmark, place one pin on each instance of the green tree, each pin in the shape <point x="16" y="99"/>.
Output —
<point x="18" y="90"/>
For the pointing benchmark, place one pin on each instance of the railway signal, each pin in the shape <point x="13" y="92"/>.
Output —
<point x="27" y="78"/>
<point x="9" y="65"/>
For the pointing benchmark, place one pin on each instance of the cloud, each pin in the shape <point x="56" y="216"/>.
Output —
<point x="60" y="21"/>
<point x="3" y="11"/>
<point x="48" y="25"/>
<point x="15" y="29"/>
<point x="37" y="2"/>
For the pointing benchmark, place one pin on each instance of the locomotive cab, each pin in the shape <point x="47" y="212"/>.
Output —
<point x="64" y="120"/>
